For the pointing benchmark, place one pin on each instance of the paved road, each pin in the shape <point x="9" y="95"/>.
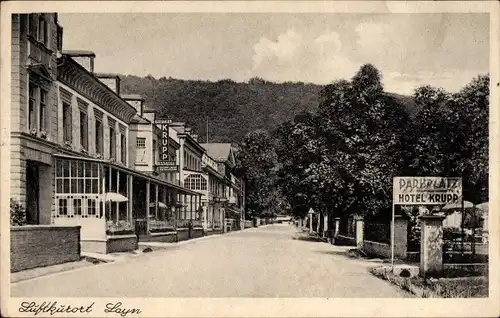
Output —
<point x="259" y="262"/>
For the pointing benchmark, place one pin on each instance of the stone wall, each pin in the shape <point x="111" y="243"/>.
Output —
<point x="345" y="240"/>
<point x="196" y="233"/>
<point x="377" y="249"/>
<point x="42" y="245"/>
<point x="182" y="234"/>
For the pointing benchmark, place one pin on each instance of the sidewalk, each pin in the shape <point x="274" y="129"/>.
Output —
<point x="47" y="270"/>
<point x="92" y="259"/>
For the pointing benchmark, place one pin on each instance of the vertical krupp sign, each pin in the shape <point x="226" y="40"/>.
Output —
<point x="164" y="163"/>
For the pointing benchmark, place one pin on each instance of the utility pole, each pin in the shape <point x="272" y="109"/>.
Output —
<point x="207" y="130"/>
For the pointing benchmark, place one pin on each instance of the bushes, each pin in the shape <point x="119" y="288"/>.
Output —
<point x="466" y="287"/>
<point x="17" y="214"/>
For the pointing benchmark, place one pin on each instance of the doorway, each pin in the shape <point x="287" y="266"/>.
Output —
<point x="32" y="192"/>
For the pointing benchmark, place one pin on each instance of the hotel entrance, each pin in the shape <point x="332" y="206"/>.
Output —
<point x="38" y="185"/>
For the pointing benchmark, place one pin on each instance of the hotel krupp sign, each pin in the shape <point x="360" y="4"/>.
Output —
<point x="164" y="164"/>
<point x="427" y="190"/>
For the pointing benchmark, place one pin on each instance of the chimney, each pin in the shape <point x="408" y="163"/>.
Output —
<point x="137" y="101"/>
<point x="84" y="58"/>
<point x="110" y="80"/>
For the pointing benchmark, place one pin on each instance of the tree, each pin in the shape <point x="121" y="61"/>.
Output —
<point x="257" y="163"/>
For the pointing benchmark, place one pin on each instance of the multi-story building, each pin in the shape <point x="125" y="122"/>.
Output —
<point x="234" y="209"/>
<point x="36" y="43"/>
<point x="214" y="197"/>
<point x="190" y="163"/>
<point x="165" y="199"/>
<point x="72" y="148"/>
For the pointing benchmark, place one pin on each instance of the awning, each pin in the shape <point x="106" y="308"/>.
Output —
<point x="160" y="205"/>
<point x="458" y="206"/>
<point x="114" y="197"/>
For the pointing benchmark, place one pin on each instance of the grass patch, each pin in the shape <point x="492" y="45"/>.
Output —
<point x="463" y="287"/>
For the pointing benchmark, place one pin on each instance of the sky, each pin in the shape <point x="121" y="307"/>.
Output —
<point x="443" y="49"/>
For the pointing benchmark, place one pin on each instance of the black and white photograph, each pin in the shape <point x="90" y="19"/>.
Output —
<point x="249" y="151"/>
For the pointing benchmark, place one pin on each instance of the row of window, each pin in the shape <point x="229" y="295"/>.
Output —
<point x="195" y="182"/>
<point x="98" y="134"/>
<point x="191" y="162"/>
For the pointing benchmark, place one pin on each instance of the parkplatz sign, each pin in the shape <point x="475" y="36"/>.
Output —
<point x="423" y="191"/>
<point x="427" y="190"/>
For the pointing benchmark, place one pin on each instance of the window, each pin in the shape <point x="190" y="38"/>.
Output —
<point x="77" y="188"/>
<point x="32" y="103"/>
<point x="195" y="182"/>
<point x="43" y="109"/>
<point x="123" y="146"/>
<point x="155" y="160"/>
<point x="59" y="38"/>
<point x="38" y="28"/>
<point x="84" y="131"/>
<point x="42" y="30"/>
<point x="112" y="143"/>
<point x="98" y="137"/>
<point x="67" y="124"/>
<point x="141" y="143"/>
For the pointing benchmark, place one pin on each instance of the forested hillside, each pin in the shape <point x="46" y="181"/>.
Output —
<point x="233" y="109"/>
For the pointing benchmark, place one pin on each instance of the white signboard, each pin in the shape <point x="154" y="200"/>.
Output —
<point x="427" y="190"/>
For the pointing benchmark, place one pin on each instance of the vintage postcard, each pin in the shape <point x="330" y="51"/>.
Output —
<point x="250" y="158"/>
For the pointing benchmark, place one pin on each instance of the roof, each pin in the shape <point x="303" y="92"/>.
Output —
<point x="148" y="109"/>
<point x="139" y="120"/>
<point x="132" y="97"/>
<point x="106" y="75"/>
<point x="218" y="151"/>
<point x="71" y="73"/>
<point x="79" y="53"/>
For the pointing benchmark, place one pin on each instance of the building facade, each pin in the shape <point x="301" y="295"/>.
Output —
<point x="36" y="43"/>
<point x="233" y="190"/>
<point x="165" y="202"/>
<point x="83" y="154"/>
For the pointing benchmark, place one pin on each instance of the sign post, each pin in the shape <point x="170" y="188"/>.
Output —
<point x="423" y="191"/>
<point x="164" y="164"/>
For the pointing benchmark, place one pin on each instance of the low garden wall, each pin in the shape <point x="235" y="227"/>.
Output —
<point x="196" y="232"/>
<point x="377" y="249"/>
<point x="182" y="234"/>
<point x="343" y="239"/>
<point x="43" y="245"/>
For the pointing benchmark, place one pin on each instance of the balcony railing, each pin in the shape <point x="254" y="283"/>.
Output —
<point x="197" y="223"/>
<point x="182" y="223"/>
<point x="163" y="225"/>
<point x="117" y="228"/>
